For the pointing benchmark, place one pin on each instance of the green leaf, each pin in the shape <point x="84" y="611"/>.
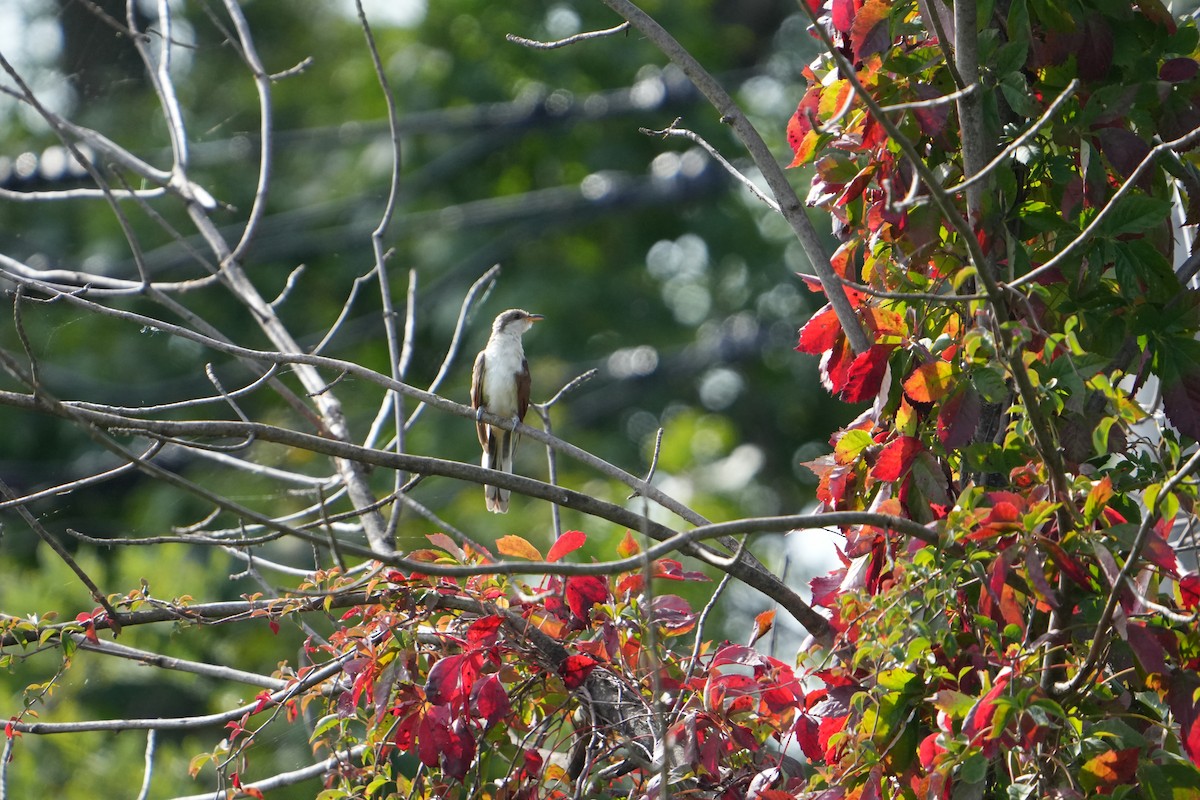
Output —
<point x="1170" y="781"/>
<point x="324" y="725"/>
<point x="974" y="768"/>
<point x="1143" y="271"/>
<point x="1011" y="57"/>
<point x="1016" y="93"/>
<point x="1135" y="213"/>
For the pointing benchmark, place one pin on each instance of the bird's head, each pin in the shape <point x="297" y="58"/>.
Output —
<point x="515" y="321"/>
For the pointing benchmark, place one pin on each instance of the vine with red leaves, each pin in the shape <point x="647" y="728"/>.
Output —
<point x="1047" y="644"/>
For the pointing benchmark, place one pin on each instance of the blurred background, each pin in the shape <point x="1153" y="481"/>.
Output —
<point x="649" y="263"/>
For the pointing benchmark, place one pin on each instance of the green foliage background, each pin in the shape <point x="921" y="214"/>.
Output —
<point x="648" y="262"/>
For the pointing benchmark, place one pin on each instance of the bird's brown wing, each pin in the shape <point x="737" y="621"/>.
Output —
<point x="523" y="389"/>
<point x="477" y="396"/>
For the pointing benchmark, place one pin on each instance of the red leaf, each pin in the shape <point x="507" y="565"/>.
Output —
<point x="672" y="570"/>
<point x="432" y="734"/>
<point x="801" y="122"/>
<point x="489" y="700"/>
<point x="820" y="333"/>
<point x="444" y="542"/>
<point x="1177" y="70"/>
<point x="731" y="693"/>
<point x="866" y="374"/>
<point x="484" y="631"/>
<point x="738" y="654"/>
<point x="842" y="13"/>
<point x="825" y="731"/>
<point x="1157" y="13"/>
<point x="1124" y="149"/>
<point x="834" y="368"/>
<point x="806" y="731"/>
<point x="628" y="546"/>
<point x="895" y="458"/>
<point x="869" y="33"/>
<point x="406" y="732"/>
<point x="1159" y="551"/>
<point x="264" y="701"/>
<point x="978" y="722"/>
<point x="672" y="612"/>
<point x="1180" y="375"/>
<point x="459" y="749"/>
<point x="567" y="543"/>
<point x="442" y="684"/>
<point x="930" y="751"/>
<point x="1189" y="591"/>
<point x="631" y="584"/>
<point x="856" y="186"/>
<point x="1181" y="697"/>
<point x="1067" y="563"/>
<point x="933" y="118"/>
<point x="1147" y="648"/>
<point x="583" y="592"/>
<point x="533" y="764"/>
<point x="958" y="418"/>
<point x="574" y="670"/>
<point x="1095" y="54"/>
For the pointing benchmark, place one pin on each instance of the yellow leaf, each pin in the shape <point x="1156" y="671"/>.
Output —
<point x="517" y="547"/>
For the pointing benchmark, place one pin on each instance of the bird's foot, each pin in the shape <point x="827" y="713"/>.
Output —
<point x="479" y="414"/>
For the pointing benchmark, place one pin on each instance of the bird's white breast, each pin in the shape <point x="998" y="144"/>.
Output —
<point x="503" y="358"/>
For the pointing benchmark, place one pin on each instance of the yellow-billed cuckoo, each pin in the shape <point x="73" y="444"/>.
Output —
<point x="500" y="386"/>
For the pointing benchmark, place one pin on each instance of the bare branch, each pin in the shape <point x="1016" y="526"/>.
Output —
<point x="148" y="769"/>
<point x="288" y="778"/>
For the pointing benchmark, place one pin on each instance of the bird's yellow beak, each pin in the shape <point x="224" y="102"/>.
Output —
<point x="536" y="318"/>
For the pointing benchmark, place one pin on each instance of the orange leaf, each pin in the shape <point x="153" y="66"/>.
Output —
<point x="929" y="382"/>
<point x="628" y="546"/>
<point x="1109" y="769"/>
<point x="762" y="624"/>
<point x="517" y="547"/>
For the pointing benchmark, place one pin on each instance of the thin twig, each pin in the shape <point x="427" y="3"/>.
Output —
<point x="737" y="174"/>
<point x="570" y="40"/>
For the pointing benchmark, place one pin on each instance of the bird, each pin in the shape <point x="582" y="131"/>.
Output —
<point x="500" y="386"/>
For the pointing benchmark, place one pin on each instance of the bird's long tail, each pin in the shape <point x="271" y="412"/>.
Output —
<point x="497" y="455"/>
